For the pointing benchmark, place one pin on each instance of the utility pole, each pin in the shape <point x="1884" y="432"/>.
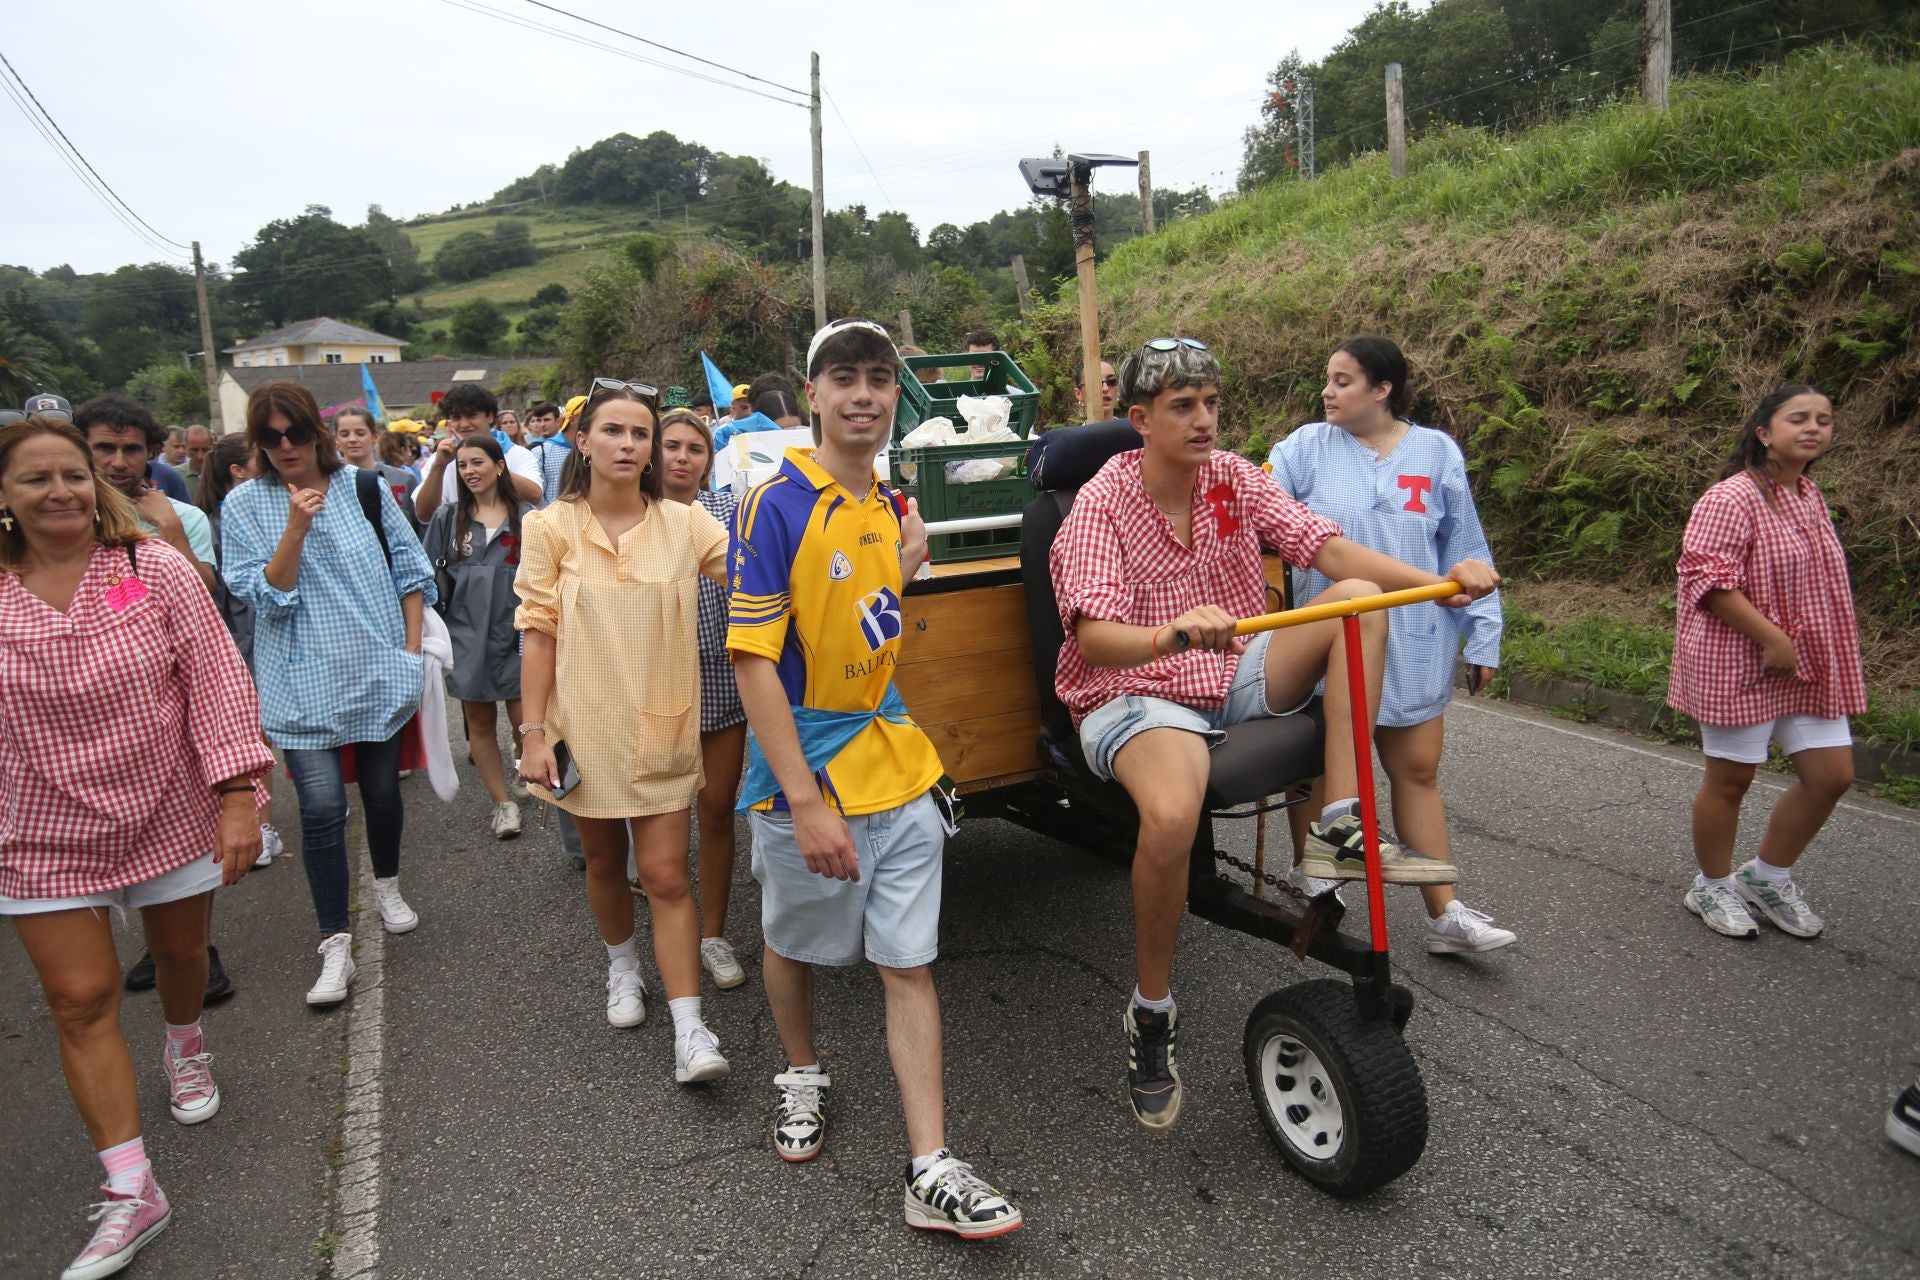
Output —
<point x="906" y="329"/>
<point x="819" y="211"/>
<point x="1146" y="196"/>
<point x="209" y="360"/>
<point x="1656" y="50"/>
<point x="1396" y="122"/>
<point x="1020" y="285"/>
<point x="1080" y="216"/>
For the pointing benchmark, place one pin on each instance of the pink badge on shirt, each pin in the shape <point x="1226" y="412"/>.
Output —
<point x="125" y="593"/>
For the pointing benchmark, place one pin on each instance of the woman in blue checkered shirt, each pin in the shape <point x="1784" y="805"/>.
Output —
<point x="1401" y="489"/>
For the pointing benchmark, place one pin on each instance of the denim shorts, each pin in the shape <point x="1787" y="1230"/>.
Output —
<point x="891" y="913"/>
<point x="1113" y="725"/>
<point x="202" y="875"/>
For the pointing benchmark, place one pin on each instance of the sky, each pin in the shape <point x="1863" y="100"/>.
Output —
<point x="211" y="119"/>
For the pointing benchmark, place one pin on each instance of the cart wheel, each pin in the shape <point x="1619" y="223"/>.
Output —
<point x="1340" y="1094"/>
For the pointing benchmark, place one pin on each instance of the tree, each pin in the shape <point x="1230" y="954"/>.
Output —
<point x="542" y="329"/>
<point x="175" y="393"/>
<point x="626" y="170"/>
<point x="1271" y="147"/>
<point x="26" y="362"/>
<point x="139" y="315"/>
<point x="467" y="256"/>
<point x="478" y="325"/>
<point x="297" y="268"/>
<point x="551" y="295"/>
<point x="512" y="245"/>
<point x="403" y="255"/>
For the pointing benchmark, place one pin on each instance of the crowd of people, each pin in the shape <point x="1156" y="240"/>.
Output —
<point x="669" y="653"/>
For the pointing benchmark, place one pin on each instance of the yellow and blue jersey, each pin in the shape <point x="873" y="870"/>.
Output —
<point x="814" y="577"/>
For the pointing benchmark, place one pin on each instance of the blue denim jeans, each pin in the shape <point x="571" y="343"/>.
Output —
<point x="323" y="821"/>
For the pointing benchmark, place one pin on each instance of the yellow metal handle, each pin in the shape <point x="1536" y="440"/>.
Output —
<point x="1335" y="609"/>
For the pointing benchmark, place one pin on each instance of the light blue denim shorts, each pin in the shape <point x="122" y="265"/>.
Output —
<point x="891" y="913"/>
<point x="202" y="875"/>
<point x="1112" y="726"/>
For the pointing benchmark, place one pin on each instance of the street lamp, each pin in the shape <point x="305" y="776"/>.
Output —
<point x="1072" y="179"/>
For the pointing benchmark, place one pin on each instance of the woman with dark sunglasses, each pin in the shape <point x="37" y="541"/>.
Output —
<point x="338" y="606"/>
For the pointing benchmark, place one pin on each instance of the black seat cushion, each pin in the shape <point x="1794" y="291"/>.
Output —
<point x="1068" y="457"/>
<point x="1264" y="757"/>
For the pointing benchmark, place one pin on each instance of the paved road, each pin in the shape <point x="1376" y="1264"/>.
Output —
<point x="1621" y="1092"/>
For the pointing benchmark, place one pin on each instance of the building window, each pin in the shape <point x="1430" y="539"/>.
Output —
<point x="377" y="357"/>
<point x="332" y="357"/>
<point x="279" y="355"/>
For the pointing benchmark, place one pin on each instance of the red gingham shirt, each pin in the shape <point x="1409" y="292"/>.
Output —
<point x="1789" y="563"/>
<point x="1116" y="558"/>
<point x="119" y="723"/>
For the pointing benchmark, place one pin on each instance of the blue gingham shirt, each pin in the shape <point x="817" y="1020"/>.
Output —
<point x="1414" y="505"/>
<point x="553" y="454"/>
<point x="330" y="655"/>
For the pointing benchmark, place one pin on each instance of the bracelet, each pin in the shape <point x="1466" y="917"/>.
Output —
<point x="526" y="729"/>
<point x="234" y="791"/>
<point x="1153" y="643"/>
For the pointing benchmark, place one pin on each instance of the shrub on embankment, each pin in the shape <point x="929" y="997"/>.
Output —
<point x="1591" y="308"/>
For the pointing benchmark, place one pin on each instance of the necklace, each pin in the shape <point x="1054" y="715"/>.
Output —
<point x="1163" y="511"/>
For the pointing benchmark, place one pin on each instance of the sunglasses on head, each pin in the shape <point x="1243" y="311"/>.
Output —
<point x="646" y="389"/>
<point x="296" y="436"/>
<point x="1174" y="344"/>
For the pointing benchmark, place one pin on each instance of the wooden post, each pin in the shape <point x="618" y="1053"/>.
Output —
<point x="1396" y="122"/>
<point x="209" y="358"/>
<point x="819" y="211"/>
<point x="1080" y="210"/>
<point x="906" y="329"/>
<point x="1146" y="196"/>
<point x="1656" y="51"/>
<point x="1020" y="286"/>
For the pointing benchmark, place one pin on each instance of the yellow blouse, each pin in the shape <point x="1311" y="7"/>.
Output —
<point x="626" y="688"/>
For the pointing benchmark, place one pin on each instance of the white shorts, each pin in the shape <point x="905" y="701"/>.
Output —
<point x="202" y="875"/>
<point x="1747" y="743"/>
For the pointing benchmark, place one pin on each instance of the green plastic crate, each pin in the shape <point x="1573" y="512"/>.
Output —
<point x="941" y="500"/>
<point x="920" y="401"/>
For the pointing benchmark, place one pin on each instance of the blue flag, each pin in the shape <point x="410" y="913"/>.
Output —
<point x="374" y="406"/>
<point x="717" y="385"/>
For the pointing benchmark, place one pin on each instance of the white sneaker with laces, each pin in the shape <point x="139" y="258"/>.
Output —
<point x="506" y="820"/>
<point x="271" y="845"/>
<point x="800" y="1121"/>
<point x="1720" y="909"/>
<point x="1313" y="886"/>
<point x="696" y="1057"/>
<point x="1462" y="930"/>
<point x="950" y="1196"/>
<point x="1778" y="900"/>
<point x="626" y="997"/>
<point x="717" y="958"/>
<point x="516" y="785"/>
<point x="336" y="970"/>
<point x="395" y="914"/>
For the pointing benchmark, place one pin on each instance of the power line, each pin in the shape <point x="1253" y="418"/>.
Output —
<point x="857" y="147"/>
<point x="82" y="158"/>
<point x="538" y="4"/>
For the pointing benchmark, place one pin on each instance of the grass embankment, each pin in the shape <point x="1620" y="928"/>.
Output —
<point x="1591" y="308"/>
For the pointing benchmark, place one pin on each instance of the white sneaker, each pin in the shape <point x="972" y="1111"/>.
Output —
<point x="1778" y="900"/>
<point x="271" y="845"/>
<point x="336" y="970"/>
<point x="506" y="820"/>
<point x="516" y="785"/>
<point x="716" y="957"/>
<point x="626" y="997"/>
<point x="1460" y="929"/>
<point x="1313" y="886"/>
<point x="696" y="1057"/>
<point x="1720" y="909"/>
<point x="395" y="914"/>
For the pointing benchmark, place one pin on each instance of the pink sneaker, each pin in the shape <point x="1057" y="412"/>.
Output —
<point x="127" y="1225"/>
<point x="190" y="1087"/>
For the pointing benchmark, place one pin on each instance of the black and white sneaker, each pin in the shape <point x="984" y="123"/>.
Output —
<point x="1903" y="1122"/>
<point x="949" y="1196"/>
<point x="1153" y="1080"/>
<point x="800" y="1121"/>
<point x="1338" y="851"/>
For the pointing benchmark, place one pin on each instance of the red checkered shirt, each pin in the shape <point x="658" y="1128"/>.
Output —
<point x="1116" y="558"/>
<point x="1788" y="562"/>
<point x="122" y="715"/>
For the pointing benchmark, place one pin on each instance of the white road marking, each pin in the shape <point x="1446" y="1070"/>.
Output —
<point x="1615" y="739"/>
<point x="356" y="1184"/>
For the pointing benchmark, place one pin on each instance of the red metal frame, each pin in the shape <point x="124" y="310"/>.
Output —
<point x="1363" y="776"/>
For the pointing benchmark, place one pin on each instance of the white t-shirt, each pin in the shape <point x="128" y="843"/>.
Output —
<point x="520" y="462"/>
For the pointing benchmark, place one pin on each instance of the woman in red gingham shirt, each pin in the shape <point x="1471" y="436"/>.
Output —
<point x="1767" y="650"/>
<point x="128" y="754"/>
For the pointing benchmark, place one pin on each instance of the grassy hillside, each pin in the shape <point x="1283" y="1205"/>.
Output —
<point x="1592" y="308"/>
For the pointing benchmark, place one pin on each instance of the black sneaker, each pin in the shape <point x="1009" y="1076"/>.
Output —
<point x="140" y="977"/>
<point x="219" y="985"/>
<point x="1153" y="1081"/>
<point x="949" y="1196"/>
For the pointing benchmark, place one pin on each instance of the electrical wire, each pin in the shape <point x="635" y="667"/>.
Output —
<point x="857" y="147"/>
<point x="694" y="57"/>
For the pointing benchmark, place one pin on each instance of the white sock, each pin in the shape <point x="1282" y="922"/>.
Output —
<point x="1161" y="1005"/>
<point x="923" y="1163"/>
<point x="1706" y="882"/>
<point x="1768" y="872"/>
<point x="686" y="1015"/>
<point x="1338" y="810"/>
<point x="622" y="956"/>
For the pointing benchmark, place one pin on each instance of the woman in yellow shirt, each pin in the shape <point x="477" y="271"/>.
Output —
<point x="609" y="601"/>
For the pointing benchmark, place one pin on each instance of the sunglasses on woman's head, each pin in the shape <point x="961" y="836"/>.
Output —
<point x="1174" y="344"/>
<point x="646" y="389"/>
<point x="296" y="436"/>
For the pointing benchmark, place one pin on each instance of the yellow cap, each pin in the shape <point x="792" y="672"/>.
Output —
<point x="406" y="426"/>
<point x="740" y="392"/>
<point x="573" y="411"/>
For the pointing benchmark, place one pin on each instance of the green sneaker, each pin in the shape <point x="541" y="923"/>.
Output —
<point x="1338" y="851"/>
<point x="1779" y="901"/>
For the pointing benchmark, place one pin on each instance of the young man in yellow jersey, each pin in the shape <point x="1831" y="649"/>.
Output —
<point x="848" y="826"/>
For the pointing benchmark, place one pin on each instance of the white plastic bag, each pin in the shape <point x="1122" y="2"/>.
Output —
<point x="986" y="418"/>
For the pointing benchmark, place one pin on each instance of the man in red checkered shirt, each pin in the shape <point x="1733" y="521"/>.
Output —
<point x="1166" y="541"/>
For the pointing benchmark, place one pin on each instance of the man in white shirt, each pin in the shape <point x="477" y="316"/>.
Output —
<point x="469" y="410"/>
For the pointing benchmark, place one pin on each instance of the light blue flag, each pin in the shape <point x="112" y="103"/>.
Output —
<point x="374" y="406"/>
<point x="717" y="385"/>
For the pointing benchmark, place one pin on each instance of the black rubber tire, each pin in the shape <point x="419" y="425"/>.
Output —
<point x="1373" y="1075"/>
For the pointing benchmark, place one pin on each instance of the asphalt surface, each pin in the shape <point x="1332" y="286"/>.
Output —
<point x="1620" y="1093"/>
